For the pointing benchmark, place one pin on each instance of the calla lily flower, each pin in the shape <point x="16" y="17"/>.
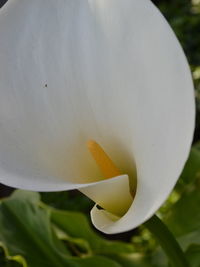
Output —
<point x="111" y="71"/>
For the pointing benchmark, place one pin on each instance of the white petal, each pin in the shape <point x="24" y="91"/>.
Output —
<point x="110" y="70"/>
<point x="113" y="194"/>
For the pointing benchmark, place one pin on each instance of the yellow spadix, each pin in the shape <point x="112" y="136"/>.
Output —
<point x="105" y="164"/>
<point x="113" y="195"/>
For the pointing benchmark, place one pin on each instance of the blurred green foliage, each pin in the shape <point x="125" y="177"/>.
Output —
<point x="44" y="236"/>
<point x="52" y="229"/>
<point x="34" y="233"/>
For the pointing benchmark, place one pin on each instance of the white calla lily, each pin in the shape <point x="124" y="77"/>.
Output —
<point x="108" y="70"/>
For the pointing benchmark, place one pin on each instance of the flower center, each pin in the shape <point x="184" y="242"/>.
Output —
<point x="113" y="195"/>
<point x="105" y="164"/>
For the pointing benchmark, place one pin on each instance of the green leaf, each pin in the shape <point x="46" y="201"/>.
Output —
<point x="77" y="226"/>
<point x="10" y="261"/>
<point x="184" y="215"/>
<point x="193" y="255"/>
<point x="167" y="241"/>
<point x="23" y="195"/>
<point x="134" y="260"/>
<point x="77" y="246"/>
<point x="188" y="239"/>
<point x="96" y="261"/>
<point x="27" y="232"/>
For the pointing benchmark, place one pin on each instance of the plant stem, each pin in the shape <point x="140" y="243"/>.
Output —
<point x="167" y="241"/>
